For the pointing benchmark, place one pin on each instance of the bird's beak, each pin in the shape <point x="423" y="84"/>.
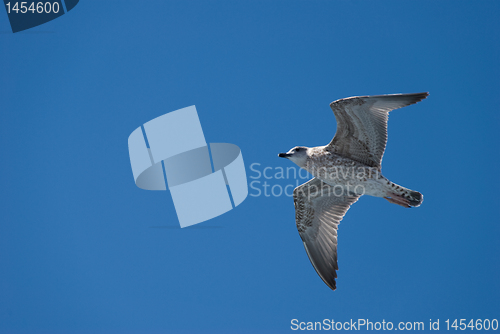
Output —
<point x="284" y="155"/>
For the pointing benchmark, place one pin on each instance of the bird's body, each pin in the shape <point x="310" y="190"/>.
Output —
<point x="347" y="175"/>
<point x="345" y="169"/>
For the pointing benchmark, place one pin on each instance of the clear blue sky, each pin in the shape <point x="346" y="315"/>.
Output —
<point x="83" y="250"/>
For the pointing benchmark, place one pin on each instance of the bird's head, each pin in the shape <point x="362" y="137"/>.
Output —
<point x="297" y="155"/>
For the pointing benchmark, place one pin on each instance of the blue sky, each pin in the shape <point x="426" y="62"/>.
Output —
<point x="83" y="250"/>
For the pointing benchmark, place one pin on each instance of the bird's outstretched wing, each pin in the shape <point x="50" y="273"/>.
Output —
<point x="362" y="125"/>
<point x="318" y="212"/>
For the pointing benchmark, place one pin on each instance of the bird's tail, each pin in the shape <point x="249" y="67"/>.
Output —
<point x="403" y="196"/>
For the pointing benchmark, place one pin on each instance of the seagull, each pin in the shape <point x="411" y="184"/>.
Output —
<point x="344" y="170"/>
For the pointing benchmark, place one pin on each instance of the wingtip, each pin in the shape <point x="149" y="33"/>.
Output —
<point x="331" y="284"/>
<point x="422" y="95"/>
<point x="416" y="97"/>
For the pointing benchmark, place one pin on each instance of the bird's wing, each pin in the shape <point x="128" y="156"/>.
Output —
<point x="318" y="212"/>
<point x="362" y="125"/>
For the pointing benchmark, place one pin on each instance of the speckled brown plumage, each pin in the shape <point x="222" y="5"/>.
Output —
<point x="345" y="169"/>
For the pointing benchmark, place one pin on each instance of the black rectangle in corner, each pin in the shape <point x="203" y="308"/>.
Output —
<point x="28" y="14"/>
<point x="70" y="4"/>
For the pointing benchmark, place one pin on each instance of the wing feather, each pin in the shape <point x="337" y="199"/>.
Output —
<point x="362" y="125"/>
<point x="318" y="211"/>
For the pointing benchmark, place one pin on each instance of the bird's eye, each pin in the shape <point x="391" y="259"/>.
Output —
<point x="297" y="149"/>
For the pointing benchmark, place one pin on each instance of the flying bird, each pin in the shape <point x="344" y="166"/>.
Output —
<point x="344" y="170"/>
